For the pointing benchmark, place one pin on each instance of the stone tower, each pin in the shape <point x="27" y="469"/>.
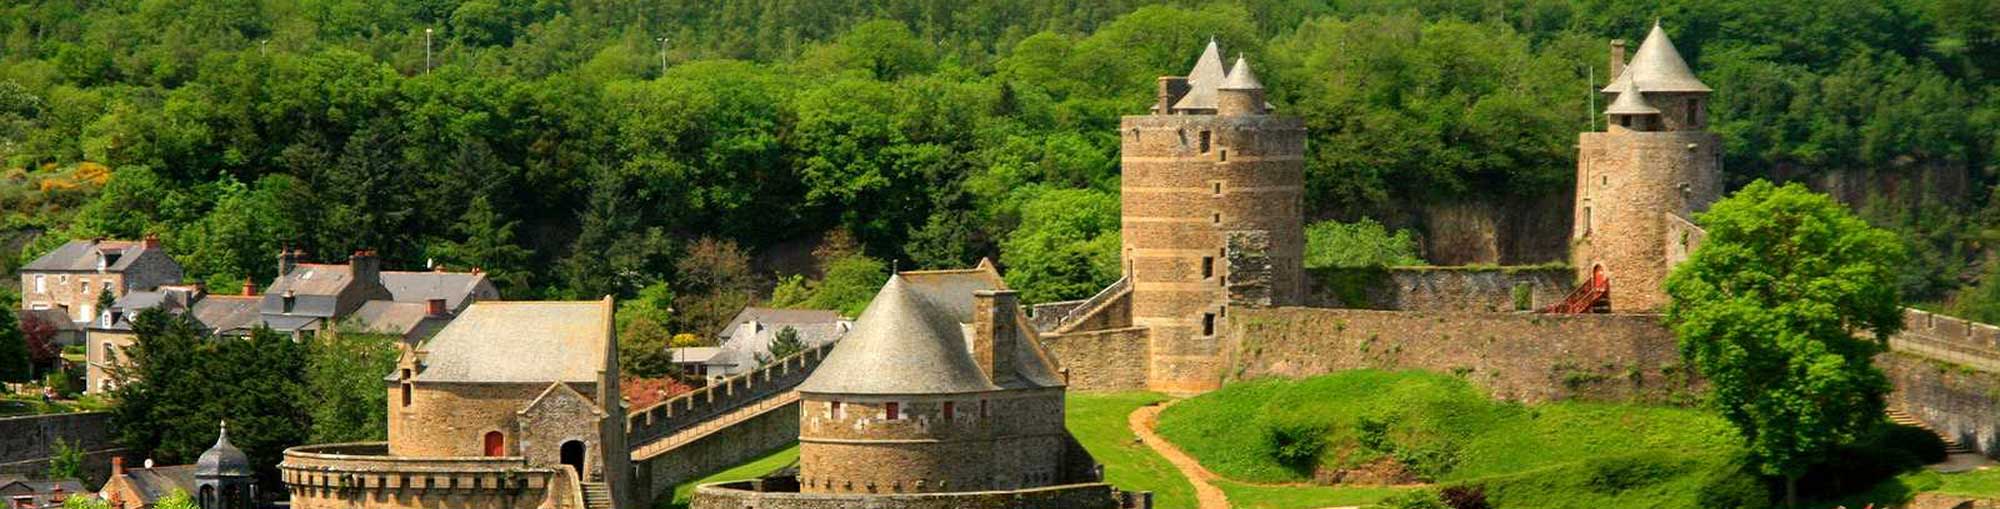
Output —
<point x="1640" y="180"/>
<point x="1212" y="196"/>
<point x="223" y="477"/>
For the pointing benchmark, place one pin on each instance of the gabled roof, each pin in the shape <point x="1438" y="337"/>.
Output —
<point x="454" y="287"/>
<point x="411" y="320"/>
<point x="1630" y="102"/>
<point x="754" y="338"/>
<point x="521" y="342"/>
<point x="1657" y="67"/>
<point x="152" y="484"/>
<point x="777" y="316"/>
<point x="82" y="255"/>
<point x="224" y="313"/>
<point x="1202" y="80"/>
<point x="904" y="343"/>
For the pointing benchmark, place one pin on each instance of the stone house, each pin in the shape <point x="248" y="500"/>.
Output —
<point x="71" y="277"/>
<point x="749" y="345"/>
<point x="512" y="405"/>
<point x="140" y="488"/>
<point x="310" y="297"/>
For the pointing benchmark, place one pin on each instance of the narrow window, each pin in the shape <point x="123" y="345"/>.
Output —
<point x="984" y="411"/>
<point x="1217" y="218"/>
<point x="1586" y="219"/>
<point x="950" y="410"/>
<point x="1223" y="155"/>
<point x="41" y="284"/>
<point x="1215" y="187"/>
<point x="834" y="408"/>
<point x="1625" y="121"/>
<point x="1204" y="142"/>
<point x="1208" y="324"/>
<point x="892" y="410"/>
<point x="406" y="395"/>
<point x="1207" y="267"/>
<point x="1692" y="106"/>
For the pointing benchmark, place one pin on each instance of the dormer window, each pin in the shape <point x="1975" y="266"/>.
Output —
<point x="289" y="301"/>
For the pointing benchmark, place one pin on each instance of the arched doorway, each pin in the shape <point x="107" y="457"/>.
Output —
<point x="496" y="444"/>
<point x="572" y="455"/>
<point x="206" y="500"/>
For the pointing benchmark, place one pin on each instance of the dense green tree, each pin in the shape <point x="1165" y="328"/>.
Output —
<point x="1363" y="243"/>
<point x="1066" y="247"/>
<point x="784" y="343"/>
<point x="14" y="363"/>
<point x="343" y="384"/>
<point x="171" y="404"/>
<point x="488" y="245"/>
<point x="1782" y="310"/>
<point x="850" y="282"/>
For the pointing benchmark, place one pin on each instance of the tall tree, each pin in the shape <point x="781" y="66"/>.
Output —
<point x="1782" y="309"/>
<point x="14" y="363"/>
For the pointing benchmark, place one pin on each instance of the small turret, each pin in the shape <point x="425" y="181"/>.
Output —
<point x="1240" y="93"/>
<point x="223" y="476"/>
<point x="1630" y="110"/>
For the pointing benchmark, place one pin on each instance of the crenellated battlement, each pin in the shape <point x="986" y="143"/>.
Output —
<point x="690" y="409"/>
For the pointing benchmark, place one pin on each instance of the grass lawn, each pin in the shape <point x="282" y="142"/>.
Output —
<point x="1250" y="496"/>
<point x="757" y="467"/>
<point x="1977" y="483"/>
<point x="1099" y="422"/>
<point x="1445" y="429"/>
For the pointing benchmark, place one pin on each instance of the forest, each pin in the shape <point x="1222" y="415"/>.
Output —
<point x="695" y="155"/>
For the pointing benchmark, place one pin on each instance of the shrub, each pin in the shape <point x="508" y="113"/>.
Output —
<point x="1363" y="243"/>
<point x="1297" y="445"/>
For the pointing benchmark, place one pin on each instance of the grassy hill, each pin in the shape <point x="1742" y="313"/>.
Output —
<point x="1443" y="429"/>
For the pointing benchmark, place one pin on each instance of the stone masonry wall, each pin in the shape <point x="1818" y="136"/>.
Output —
<point x="727" y="447"/>
<point x="1962" y="403"/>
<point x="1626" y="183"/>
<point x="345" y="476"/>
<point x="1478" y="289"/>
<point x="26" y="442"/>
<point x="1518" y="356"/>
<point x="452" y="419"/>
<point x="1101" y="360"/>
<point x="1076" y="496"/>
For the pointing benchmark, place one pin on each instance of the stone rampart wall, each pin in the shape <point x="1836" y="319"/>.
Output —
<point x="341" y="476"/>
<point x="33" y="437"/>
<point x="1102" y="360"/>
<point x="1959" y="402"/>
<point x="1453" y="289"/>
<point x="738" y="495"/>
<point x="1518" y="356"/>
<point x="723" y="396"/>
<point x="726" y="447"/>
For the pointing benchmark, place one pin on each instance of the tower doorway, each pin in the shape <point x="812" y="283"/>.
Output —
<point x="572" y="455"/>
<point x="496" y="444"/>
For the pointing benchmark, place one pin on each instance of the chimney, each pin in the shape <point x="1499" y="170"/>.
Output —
<point x="437" y="308"/>
<point x="1617" y="58"/>
<point x="287" y="259"/>
<point x="994" y="326"/>
<point x="249" y="288"/>
<point x="117" y="466"/>
<point x="366" y="267"/>
<point x="1172" y="88"/>
<point x="151" y="241"/>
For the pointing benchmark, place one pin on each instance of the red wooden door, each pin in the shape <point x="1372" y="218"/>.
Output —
<point x="496" y="444"/>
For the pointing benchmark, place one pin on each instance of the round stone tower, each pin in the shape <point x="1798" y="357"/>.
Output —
<point x="1641" y="180"/>
<point x="1212" y="202"/>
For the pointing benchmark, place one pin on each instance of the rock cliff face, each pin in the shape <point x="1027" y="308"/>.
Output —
<point x="1524" y="231"/>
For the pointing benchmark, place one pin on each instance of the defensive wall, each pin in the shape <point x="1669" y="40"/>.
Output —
<point x="1101" y="360"/>
<point x="730" y="421"/>
<point x="340" y="476"/>
<point x="1946" y="372"/>
<point x="1469" y="288"/>
<point x="726" y="447"/>
<point x="742" y="494"/>
<point x="27" y="442"/>
<point x="1518" y="356"/>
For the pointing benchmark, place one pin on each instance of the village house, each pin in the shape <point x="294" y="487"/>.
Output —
<point x="71" y="278"/>
<point x="746" y="343"/>
<point x="140" y="488"/>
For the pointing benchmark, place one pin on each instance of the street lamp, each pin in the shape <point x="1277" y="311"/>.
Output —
<point x="427" y="51"/>
<point x="663" y="55"/>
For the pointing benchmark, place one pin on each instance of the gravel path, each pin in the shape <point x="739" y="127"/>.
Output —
<point x="1209" y="496"/>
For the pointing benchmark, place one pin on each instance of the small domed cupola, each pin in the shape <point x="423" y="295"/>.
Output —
<point x="223" y="476"/>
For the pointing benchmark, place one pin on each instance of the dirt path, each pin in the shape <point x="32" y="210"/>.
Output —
<point x="1142" y="421"/>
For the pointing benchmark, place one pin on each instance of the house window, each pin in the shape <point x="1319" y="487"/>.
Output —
<point x="1208" y="324"/>
<point x="834" y="408"/>
<point x="110" y="353"/>
<point x="950" y="410"/>
<point x="1207" y="267"/>
<point x="85" y="288"/>
<point x="1204" y="142"/>
<point x="41" y="284"/>
<point x="892" y="410"/>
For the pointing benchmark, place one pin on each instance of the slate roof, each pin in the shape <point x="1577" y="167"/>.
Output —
<point x="223" y="459"/>
<point x="315" y="289"/>
<point x="1630" y="102"/>
<point x="158" y="482"/>
<point x="81" y="255"/>
<point x="514" y="342"/>
<point x="224" y="313"/>
<point x="1240" y="77"/>
<point x="1657" y="67"/>
<point x="776" y="316"/>
<point x="454" y="287"/>
<point x="694" y="354"/>
<point x="411" y="320"/>
<point x="751" y="339"/>
<point x="1203" y="80"/>
<point x="904" y="343"/>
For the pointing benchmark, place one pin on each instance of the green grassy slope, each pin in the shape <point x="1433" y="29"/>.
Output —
<point x="1447" y="430"/>
<point x="750" y="470"/>
<point x="1099" y="422"/>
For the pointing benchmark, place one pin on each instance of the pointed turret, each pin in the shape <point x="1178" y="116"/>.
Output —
<point x="1657" y="67"/>
<point x="1630" y="102"/>
<point x="1202" y="81"/>
<point x="1240" y="93"/>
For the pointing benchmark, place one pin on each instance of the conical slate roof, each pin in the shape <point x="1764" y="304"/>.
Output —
<point x="1203" y="79"/>
<point x="1240" y="77"/>
<point x="1630" y="102"/>
<point x="1657" y="67"/>
<point x="223" y="459"/>
<point x="902" y="344"/>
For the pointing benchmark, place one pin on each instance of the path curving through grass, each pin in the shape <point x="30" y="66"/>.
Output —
<point x="1207" y="495"/>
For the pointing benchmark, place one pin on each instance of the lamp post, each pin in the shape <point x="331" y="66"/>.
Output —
<point x="427" y="51"/>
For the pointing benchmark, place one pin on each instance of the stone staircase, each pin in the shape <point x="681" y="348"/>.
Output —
<point x="597" y="495"/>
<point x="1951" y="445"/>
